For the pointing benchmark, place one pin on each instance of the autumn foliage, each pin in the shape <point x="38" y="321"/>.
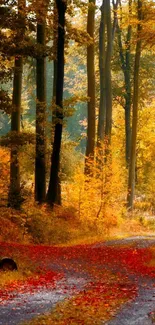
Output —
<point x="107" y="269"/>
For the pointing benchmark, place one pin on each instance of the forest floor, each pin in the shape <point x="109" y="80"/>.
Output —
<point x="111" y="282"/>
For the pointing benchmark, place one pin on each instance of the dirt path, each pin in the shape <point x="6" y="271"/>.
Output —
<point x="138" y="312"/>
<point x="29" y="305"/>
<point x="141" y="310"/>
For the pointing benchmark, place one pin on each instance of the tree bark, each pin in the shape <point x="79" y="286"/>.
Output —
<point x="55" y="36"/>
<point x="132" y="164"/>
<point x="55" y="158"/>
<point x="90" y="147"/>
<point x="14" y="197"/>
<point x="108" y="126"/>
<point x="105" y="53"/>
<point x="102" y="54"/>
<point x="40" y="159"/>
<point x="126" y="68"/>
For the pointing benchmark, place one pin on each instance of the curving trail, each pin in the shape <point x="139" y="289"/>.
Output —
<point x="26" y="305"/>
<point x="141" y="310"/>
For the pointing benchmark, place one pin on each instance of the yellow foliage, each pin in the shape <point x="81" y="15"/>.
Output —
<point x="98" y="197"/>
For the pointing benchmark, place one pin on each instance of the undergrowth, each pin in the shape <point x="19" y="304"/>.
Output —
<point x="62" y="226"/>
<point x="93" y="207"/>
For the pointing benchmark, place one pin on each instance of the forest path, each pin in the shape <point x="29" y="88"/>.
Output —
<point x="25" y="306"/>
<point x="28" y="305"/>
<point x="141" y="310"/>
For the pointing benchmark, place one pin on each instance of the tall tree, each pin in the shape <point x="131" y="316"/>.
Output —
<point x="125" y="59"/>
<point x="55" y="35"/>
<point x="102" y="55"/>
<point x="40" y="159"/>
<point x="132" y="163"/>
<point x="55" y="157"/>
<point x="106" y="35"/>
<point x="108" y="92"/>
<point x="14" y="198"/>
<point x="91" y="87"/>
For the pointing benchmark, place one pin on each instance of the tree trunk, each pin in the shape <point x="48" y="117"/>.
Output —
<point x="126" y="68"/>
<point x="55" y="30"/>
<point x="55" y="158"/>
<point x="108" y="126"/>
<point x="40" y="159"/>
<point x="127" y="128"/>
<point x="131" y="180"/>
<point x="102" y="54"/>
<point x="105" y="53"/>
<point x="14" y="197"/>
<point x="127" y="77"/>
<point x="90" y="147"/>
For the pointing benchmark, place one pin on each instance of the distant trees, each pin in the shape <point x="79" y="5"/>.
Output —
<point x="45" y="31"/>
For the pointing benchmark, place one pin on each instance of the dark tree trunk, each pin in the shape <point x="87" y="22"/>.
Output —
<point x="40" y="159"/>
<point x="108" y="126"/>
<point x="132" y="163"/>
<point x="127" y="126"/>
<point x="102" y="54"/>
<point x="55" y="36"/>
<point x="14" y="198"/>
<point x="55" y="158"/>
<point x="58" y="196"/>
<point x="90" y="147"/>
<point x="105" y="53"/>
<point x="127" y="77"/>
<point x="126" y="68"/>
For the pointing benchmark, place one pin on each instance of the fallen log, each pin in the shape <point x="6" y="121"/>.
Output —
<point x="8" y="264"/>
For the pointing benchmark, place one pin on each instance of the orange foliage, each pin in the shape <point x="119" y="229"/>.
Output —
<point x="4" y="171"/>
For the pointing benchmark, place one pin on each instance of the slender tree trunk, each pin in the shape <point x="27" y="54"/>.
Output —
<point x="132" y="164"/>
<point x="114" y="27"/>
<point x="14" y="198"/>
<point x="102" y="54"/>
<point x="126" y="68"/>
<point x="127" y="77"/>
<point x="127" y="128"/>
<point x="91" y="89"/>
<point x="55" y="36"/>
<point x="40" y="159"/>
<point x="55" y="23"/>
<point x="58" y="196"/>
<point x="55" y="40"/>
<point x="105" y="53"/>
<point x="108" y="126"/>
<point x="55" y="158"/>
